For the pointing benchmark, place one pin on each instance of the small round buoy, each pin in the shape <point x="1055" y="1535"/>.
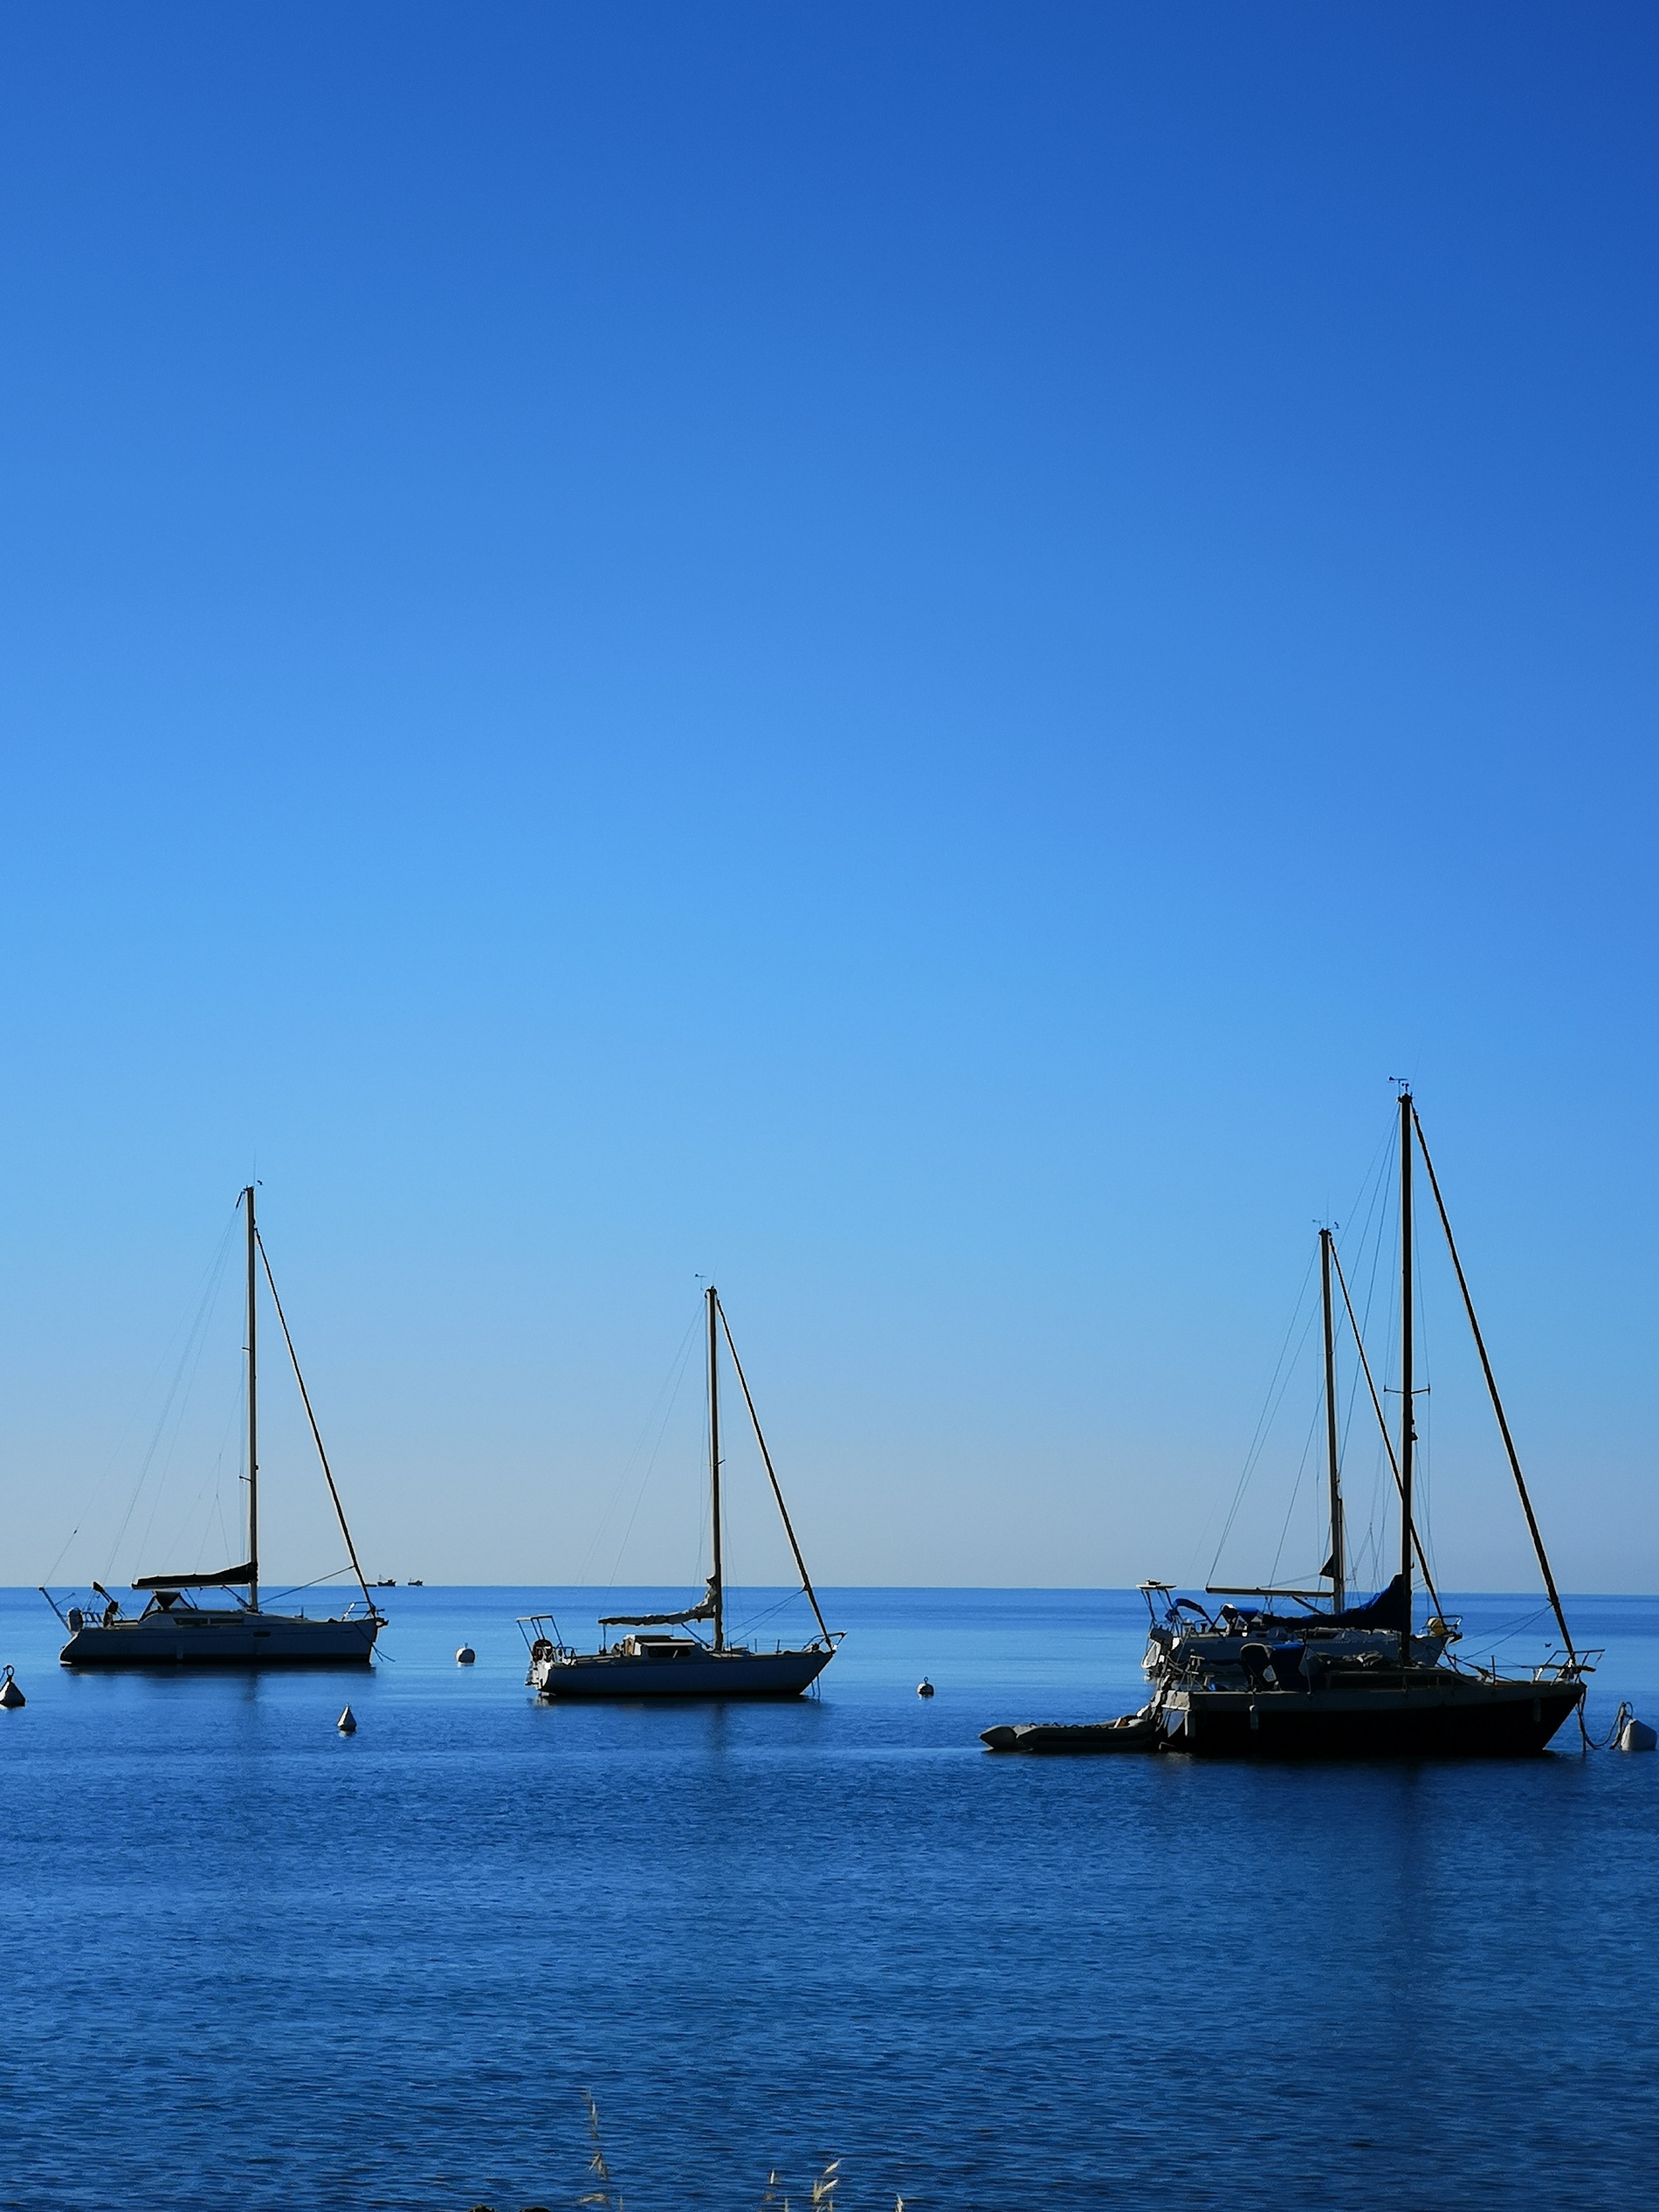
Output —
<point x="465" y="1656"/>
<point x="1635" y="1735"/>
<point x="347" y="1722"/>
<point x="11" y="1697"/>
<point x="924" y="1688"/>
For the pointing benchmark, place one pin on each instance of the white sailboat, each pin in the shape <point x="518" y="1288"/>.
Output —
<point x="649" y="1663"/>
<point x="175" y="1629"/>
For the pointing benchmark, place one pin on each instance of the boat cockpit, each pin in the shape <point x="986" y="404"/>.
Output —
<point x="1226" y="1649"/>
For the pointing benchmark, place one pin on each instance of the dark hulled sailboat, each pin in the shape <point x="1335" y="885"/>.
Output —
<point x="652" y="1662"/>
<point x="1345" y="1680"/>
<point x="1308" y="1674"/>
<point x="175" y="1628"/>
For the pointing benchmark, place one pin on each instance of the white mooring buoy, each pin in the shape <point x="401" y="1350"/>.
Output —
<point x="1635" y="1735"/>
<point x="924" y="1688"/>
<point x="347" y="1722"/>
<point x="465" y="1656"/>
<point x="11" y="1697"/>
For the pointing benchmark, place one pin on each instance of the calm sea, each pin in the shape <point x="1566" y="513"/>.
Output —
<point x="249" y="1963"/>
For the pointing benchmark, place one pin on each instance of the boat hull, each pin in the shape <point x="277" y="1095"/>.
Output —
<point x="199" y="1638"/>
<point x="1057" y="1739"/>
<point x="1433" y="1713"/>
<point x="598" y="1676"/>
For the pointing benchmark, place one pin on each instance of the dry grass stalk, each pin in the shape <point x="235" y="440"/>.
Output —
<point x="608" y="2197"/>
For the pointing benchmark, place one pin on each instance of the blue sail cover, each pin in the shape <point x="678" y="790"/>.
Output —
<point x="1390" y="1608"/>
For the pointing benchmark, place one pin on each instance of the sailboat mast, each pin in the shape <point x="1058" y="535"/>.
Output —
<point x="1382" y="1419"/>
<point x="1407" y="1428"/>
<point x="1338" y="1583"/>
<point x="717" y="1581"/>
<point x="253" y="1412"/>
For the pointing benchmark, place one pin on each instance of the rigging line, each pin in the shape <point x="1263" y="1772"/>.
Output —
<point x="1353" y="1380"/>
<point x="669" y="1383"/>
<point x="1296" y="1490"/>
<point x="705" y="1515"/>
<point x="1347" y="1416"/>
<point x="1379" y="1181"/>
<point x="1422" y="1506"/>
<point x="1375" y="1193"/>
<point x="292" y="1590"/>
<point x="1263" y="1421"/>
<point x="1491" y="1385"/>
<point x="789" y="1529"/>
<point x="1265" y="1425"/>
<point x="1507" y="1633"/>
<point x="214" y="1266"/>
<point x="1383" y="1244"/>
<point x="175" y="1547"/>
<point x="1374" y="1503"/>
<point x="173" y="1445"/>
<point x="754" y="1620"/>
<point x="1374" y="1575"/>
<point x="316" y="1433"/>
<point x="1359" y="1341"/>
<point x="1376" y="1185"/>
<point x="191" y="1357"/>
<point x="1604" y="1743"/>
<point x="671" y="1386"/>
<point x="234" y="1424"/>
<point x="1382" y="1212"/>
<point x="177" y="1550"/>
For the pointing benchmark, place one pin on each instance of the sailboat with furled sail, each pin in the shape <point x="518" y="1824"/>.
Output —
<point x="651" y="1661"/>
<point x="1304" y="1671"/>
<point x="176" y="1628"/>
<point x="1310" y="1672"/>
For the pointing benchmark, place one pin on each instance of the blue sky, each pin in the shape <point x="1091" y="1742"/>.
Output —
<point x="897" y="654"/>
